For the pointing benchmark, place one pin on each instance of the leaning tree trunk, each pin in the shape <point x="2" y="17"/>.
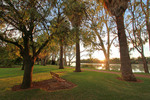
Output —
<point x="126" y="69"/>
<point x="61" y="66"/>
<point x="106" y="60"/>
<point x="148" y="30"/>
<point x="78" y="69"/>
<point x="107" y="64"/>
<point x="28" y="70"/>
<point x="145" y="64"/>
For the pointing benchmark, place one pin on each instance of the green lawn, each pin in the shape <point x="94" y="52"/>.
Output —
<point x="90" y="86"/>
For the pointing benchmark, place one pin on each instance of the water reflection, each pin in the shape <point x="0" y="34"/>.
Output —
<point x="115" y="67"/>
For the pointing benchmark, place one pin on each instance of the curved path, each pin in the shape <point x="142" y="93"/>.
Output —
<point x="137" y="75"/>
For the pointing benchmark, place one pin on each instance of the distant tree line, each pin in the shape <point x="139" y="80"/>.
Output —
<point x="116" y="60"/>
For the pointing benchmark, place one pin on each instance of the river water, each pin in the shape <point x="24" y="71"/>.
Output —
<point x="115" y="67"/>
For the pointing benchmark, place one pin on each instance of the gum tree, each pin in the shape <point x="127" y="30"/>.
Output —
<point x="117" y="8"/>
<point x="26" y="19"/>
<point x="75" y="10"/>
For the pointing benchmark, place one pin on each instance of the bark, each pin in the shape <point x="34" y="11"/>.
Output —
<point x="78" y="69"/>
<point x="65" y="61"/>
<point x="145" y="64"/>
<point x="107" y="64"/>
<point x="61" y="66"/>
<point x="69" y="63"/>
<point x="53" y="59"/>
<point x="126" y="69"/>
<point x="53" y="62"/>
<point x="41" y="61"/>
<point x="28" y="70"/>
<point x="28" y="65"/>
<point x="148" y="30"/>
<point x="22" y="66"/>
<point x="44" y="62"/>
<point x="38" y="61"/>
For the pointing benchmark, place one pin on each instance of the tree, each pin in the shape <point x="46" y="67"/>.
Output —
<point x="145" y="5"/>
<point x="137" y="36"/>
<point x="117" y="9"/>
<point x="28" y="19"/>
<point x="9" y="55"/>
<point x="102" y="25"/>
<point x="63" y="34"/>
<point x="75" y="10"/>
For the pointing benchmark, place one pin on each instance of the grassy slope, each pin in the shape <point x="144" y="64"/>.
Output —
<point x="91" y="86"/>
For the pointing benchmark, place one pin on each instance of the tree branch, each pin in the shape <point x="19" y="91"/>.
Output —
<point x="43" y="45"/>
<point x="12" y="42"/>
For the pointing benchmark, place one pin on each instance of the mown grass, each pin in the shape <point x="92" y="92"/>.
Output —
<point x="90" y="86"/>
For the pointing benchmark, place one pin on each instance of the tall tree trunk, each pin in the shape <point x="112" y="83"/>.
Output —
<point x="22" y="66"/>
<point x="148" y="30"/>
<point x="28" y="64"/>
<point x="38" y="61"/>
<point x="69" y="63"/>
<point x="53" y="59"/>
<point x="145" y="64"/>
<point x="126" y="69"/>
<point x="41" y="61"/>
<point x="44" y="61"/>
<point x="78" y="69"/>
<point x="106" y="60"/>
<point x="28" y="70"/>
<point x="61" y="66"/>
<point x="65" y="61"/>
<point x="148" y="20"/>
<point x="107" y="63"/>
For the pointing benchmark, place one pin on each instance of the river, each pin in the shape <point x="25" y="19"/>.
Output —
<point x="115" y="67"/>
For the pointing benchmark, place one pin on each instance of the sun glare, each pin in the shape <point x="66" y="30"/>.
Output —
<point x="99" y="56"/>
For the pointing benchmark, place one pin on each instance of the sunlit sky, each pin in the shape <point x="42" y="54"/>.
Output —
<point x="115" y="53"/>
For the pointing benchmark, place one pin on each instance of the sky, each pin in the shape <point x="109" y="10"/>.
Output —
<point x="115" y="53"/>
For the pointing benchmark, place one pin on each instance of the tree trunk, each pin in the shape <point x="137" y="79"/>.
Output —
<point x="41" y="61"/>
<point x="145" y="64"/>
<point x="61" y="66"/>
<point x="69" y="63"/>
<point x="28" y="70"/>
<point x="53" y="59"/>
<point x="65" y="61"/>
<point x="126" y="69"/>
<point x="44" y="61"/>
<point x="107" y="64"/>
<point x="53" y="62"/>
<point x="148" y="30"/>
<point x="78" y="69"/>
<point x="22" y="66"/>
<point x="38" y="61"/>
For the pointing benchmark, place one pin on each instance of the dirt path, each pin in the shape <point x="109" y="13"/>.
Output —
<point x="137" y="75"/>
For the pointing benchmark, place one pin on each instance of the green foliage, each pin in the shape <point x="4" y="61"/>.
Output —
<point x="9" y="55"/>
<point x="115" y="61"/>
<point x="92" y="60"/>
<point x="75" y="10"/>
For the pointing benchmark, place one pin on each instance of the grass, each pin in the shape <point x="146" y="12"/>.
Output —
<point x="91" y="86"/>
